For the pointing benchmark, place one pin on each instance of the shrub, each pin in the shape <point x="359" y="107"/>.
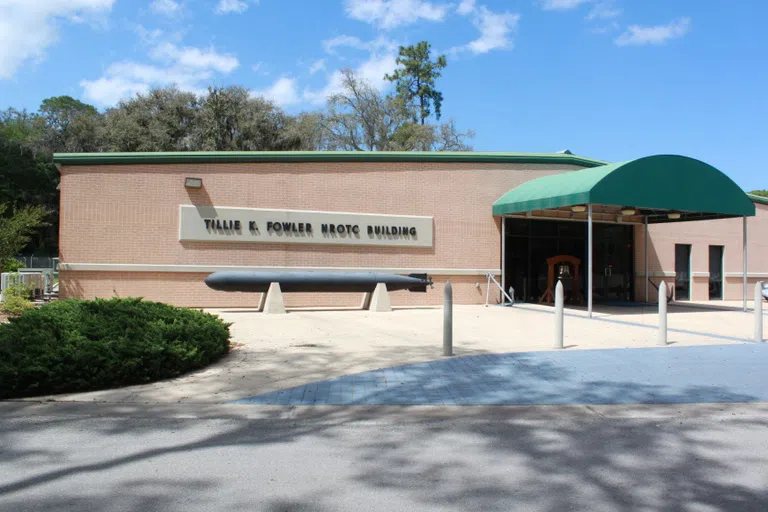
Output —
<point x="16" y="299"/>
<point x="11" y="265"/>
<point x="77" y="345"/>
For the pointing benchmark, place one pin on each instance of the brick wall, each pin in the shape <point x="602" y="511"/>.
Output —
<point x="128" y="214"/>
<point x="700" y="235"/>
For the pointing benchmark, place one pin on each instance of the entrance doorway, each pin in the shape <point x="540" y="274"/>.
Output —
<point x="682" y="272"/>
<point x="612" y="269"/>
<point x="530" y="242"/>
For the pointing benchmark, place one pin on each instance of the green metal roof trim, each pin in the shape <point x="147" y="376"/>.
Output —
<point x="665" y="182"/>
<point x="758" y="199"/>
<point x="319" y="156"/>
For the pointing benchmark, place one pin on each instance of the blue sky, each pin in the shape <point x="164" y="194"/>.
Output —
<point x="609" y="79"/>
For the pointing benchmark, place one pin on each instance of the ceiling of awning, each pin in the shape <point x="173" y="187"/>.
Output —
<point x="653" y="185"/>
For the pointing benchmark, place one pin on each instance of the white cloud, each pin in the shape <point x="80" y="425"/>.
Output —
<point x="330" y="45"/>
<point x="194" y="58"/>
<point x="466" y="7"/>
<point x="147" y="36"/>
<point x="561" y="5"/>
<point x="166" y="7"/>
<point x="378" y="45"/>
<point x="603" y="11"/>
<point x="260" y="68"/>
<point x="188" y="68"/>
<point x="495" y="31"/>
<point x="388" y="14"/>
<point x="316" y="66"/>
<point x="231" y="6"/>
<point x="107" y="91"/>
<point x="29" y="27"/>
<point x="283" y="92"/>
<point x="374" y="69"/>
<point x="637" y="35"/>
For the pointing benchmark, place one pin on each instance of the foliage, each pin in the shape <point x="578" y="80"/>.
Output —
<point x="231" y="120"/>
<point x="11" y="265"/>
<point x="16" y="229"/>
<point x="17" y="126"/>
<point x="161" y="120"/>
<point x="360" y="118"/>
<point x="415" y="80"/>
<point x="761" y="193"/>
<point x="16" y="299"/>
<point x="76" y="345"/>
<point x="68" y="125"/>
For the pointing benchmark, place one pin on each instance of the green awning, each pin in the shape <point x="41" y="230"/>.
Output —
<point x="654" y="183"/>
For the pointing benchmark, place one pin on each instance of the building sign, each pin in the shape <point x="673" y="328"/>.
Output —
<point x="215" y="224"/>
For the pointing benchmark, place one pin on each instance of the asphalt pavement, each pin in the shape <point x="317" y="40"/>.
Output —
<point x="110" y="457"/>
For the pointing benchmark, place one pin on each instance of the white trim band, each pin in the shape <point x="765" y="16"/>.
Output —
<point x="759" y="275"/>
<point x="658" y="273"/>
<point x="122" y="267"/>
<point x="700" y="274"/>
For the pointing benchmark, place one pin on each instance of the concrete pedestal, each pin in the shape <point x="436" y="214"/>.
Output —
<point x="380" y="299"/>
<point x="274" y="305"/>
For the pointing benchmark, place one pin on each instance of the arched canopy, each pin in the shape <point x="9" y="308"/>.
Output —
<point x="653" y="184"/>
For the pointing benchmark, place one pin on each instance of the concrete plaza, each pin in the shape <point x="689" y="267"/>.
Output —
<point x="278" y="352"/>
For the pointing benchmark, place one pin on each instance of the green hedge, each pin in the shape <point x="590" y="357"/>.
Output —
<point x="77" y="345"/>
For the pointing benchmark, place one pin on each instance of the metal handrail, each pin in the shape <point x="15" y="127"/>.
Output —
<point x="488" y="290"/>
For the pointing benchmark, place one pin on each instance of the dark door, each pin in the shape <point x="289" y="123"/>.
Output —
<point x="613" y="266"/>
<point x="682" y="272"/>
<point x="715" y="272"/>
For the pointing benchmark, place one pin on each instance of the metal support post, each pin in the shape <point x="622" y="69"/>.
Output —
<point x="589" y="261"/>
<point x="503" y="254"/>
<point x="448" y="320"/>
<point x="759" y="311"/>
<point x="645" y="249"/>
<point x="744" y="264"/>
<point x="663" y="314"/>
<point x="559" y="306"/>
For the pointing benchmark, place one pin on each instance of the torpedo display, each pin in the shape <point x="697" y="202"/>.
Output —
<point x="252" y="281"/>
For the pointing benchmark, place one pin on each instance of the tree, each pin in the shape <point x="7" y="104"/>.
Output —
<point x="67" y="125"/>
<point x="16" y="229"/>
<point x="360" y="118"/>
<point x="761" y="193"/>
<point x="231" y="120"/>
<point x="307" y="128"/>
<point x="17" y="126"/>
<point x="164" y="119"/>
<point x="27" y="179"/>
<point x="415" y="79"/>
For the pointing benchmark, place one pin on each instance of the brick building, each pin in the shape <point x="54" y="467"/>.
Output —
<point x="156" y="224"/>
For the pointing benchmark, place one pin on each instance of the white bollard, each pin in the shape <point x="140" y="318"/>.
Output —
<point x="663" y="314"/>
<point x="559" y="305"/>
<point x="759" y="311"/>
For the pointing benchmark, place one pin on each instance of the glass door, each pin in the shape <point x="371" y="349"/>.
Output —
<point x="612" y="269"/>
<point x="682" y="272"/>
<point x="715" y="272"/>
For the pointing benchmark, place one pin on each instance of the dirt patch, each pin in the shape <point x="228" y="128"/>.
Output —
<point x="3" y="318"/>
